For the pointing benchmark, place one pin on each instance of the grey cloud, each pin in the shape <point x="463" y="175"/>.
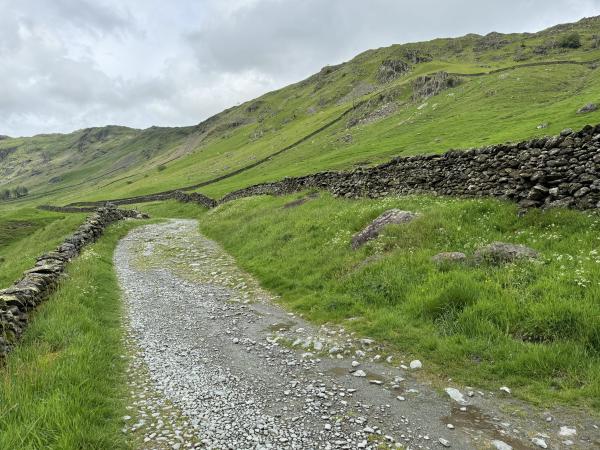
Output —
<point x="68" y="64"/>
<point x="91" y="16"/>
<point x="277" y="35"/>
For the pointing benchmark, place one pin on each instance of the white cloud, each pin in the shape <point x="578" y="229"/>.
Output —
<point x="69" y="64"/>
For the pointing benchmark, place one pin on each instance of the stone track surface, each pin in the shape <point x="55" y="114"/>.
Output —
<point x="215" y="363"/>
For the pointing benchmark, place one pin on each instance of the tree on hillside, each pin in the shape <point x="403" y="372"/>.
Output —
<point x="21" y="191"/>
<point x="17" y="192"/>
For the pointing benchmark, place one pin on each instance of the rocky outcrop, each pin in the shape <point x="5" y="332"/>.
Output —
<point x="429" y="85"/>
<point x="390" y="69"/>
<point x="393" y="216"/>
<point x="38" y="282"/>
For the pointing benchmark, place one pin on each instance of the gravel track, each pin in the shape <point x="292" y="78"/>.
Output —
<point x="215" y="363"/>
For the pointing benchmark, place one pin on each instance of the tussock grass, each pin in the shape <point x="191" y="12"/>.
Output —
<point x="532" y="325"/>
<point x="63" y="385"/>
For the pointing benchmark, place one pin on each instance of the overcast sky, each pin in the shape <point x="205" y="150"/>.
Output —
<point x="70" y="64"/>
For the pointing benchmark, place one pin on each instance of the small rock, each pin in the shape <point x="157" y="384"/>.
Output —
<point x="444" y="442"/>
<point x="416" y="364"/>
<point x="567" y="431"/>
<point x="449" y="257"/>
<point x="400" y="398"/>
<point x="450" y="426"/>
<point x="505" y="389"/>
<point x="359" y="373"/>
<point x="590" y="107"/>
<point x="539" y="442"/>
<point x="393" y="216"/>
<point x="456" y="395"/>
<point x="500" y="445"/>
<point x="501" y="252"/>
<point x="355" y="364"/>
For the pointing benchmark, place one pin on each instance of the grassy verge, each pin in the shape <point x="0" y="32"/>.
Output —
<point x="532" y="326"/>
<point x="62" y="387"/>
<point x="171" y="209"/>
<point x="26" y="233"/>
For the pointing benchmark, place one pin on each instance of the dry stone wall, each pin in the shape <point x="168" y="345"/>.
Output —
<point x="37" y="283"/>
<point x="561" y="170"/>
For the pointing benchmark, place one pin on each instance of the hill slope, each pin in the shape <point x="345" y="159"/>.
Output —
<point x="404" y="99"/>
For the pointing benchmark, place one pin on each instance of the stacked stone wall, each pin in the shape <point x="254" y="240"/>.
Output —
<point x="37" y="283"/>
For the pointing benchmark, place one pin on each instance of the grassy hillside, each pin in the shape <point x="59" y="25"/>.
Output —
<point x="376" y="104"/>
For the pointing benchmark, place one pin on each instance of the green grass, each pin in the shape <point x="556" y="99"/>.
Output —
<point x="532" y="326"/>
<point x="63" y="386"/>
<point x="170" y="209"/>
<point x="25" y="234"/>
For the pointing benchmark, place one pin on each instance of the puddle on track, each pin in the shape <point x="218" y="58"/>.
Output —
<point x="474" y="419"/>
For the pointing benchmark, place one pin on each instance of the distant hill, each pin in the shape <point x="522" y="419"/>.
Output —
<point x="406" y="99"/>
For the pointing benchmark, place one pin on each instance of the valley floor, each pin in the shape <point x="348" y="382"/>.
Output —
<point x="216" y="363"/>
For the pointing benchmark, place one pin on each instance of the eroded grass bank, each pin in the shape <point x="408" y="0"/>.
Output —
<point x="63" y="386"/>
<point x="533" y="326"/>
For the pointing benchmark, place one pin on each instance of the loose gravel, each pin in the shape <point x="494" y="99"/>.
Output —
<point x="216" y="364"/>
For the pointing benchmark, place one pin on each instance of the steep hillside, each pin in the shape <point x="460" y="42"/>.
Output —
<point x="404" y="99"/>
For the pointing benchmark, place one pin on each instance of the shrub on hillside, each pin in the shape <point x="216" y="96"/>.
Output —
<point x="572" y="40"/>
